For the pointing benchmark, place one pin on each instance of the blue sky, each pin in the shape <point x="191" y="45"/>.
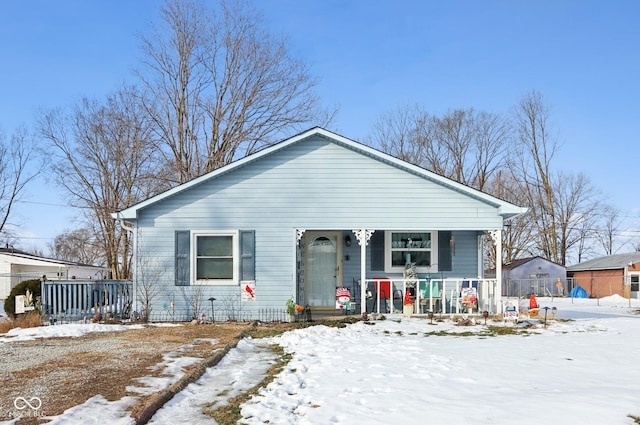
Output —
<point x="371" y="57"/>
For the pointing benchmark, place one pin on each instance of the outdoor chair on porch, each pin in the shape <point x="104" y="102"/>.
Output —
<point x="389" y="295"/>
<point x="430" y="291"/>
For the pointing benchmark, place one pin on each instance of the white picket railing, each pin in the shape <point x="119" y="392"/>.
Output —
<point x="444" y="296"/>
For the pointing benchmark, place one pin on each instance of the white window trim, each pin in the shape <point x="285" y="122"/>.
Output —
<point x="236" y="257"/>
<point x="434" y="252"/>
<point x="636" y="275"/>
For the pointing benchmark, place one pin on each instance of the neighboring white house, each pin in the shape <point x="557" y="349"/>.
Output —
<point x="16" y="266"/>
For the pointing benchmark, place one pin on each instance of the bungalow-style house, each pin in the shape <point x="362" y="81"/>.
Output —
<point x="533" y="275"/>
<point x="614" y="274"/>
<point x="16" y="266"/>
<point x="325" y="221"/>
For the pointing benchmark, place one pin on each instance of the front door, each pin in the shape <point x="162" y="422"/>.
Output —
<point x="323" y="274"/>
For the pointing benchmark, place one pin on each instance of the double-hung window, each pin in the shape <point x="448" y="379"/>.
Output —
<point x="635" y="282"/>
<point x="405" y="248"/>
<point x="215" y="257"/>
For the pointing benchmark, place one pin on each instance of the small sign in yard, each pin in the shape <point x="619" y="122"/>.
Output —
<point x="19" y="302"/>
<point x="510" y="312"/>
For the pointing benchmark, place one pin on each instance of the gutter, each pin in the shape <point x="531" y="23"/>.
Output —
<point x="126" y="225"/>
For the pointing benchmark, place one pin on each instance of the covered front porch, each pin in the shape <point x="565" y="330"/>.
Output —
<point x="416" y="272"/>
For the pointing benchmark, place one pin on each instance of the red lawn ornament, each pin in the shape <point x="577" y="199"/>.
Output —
<point x="407" y="298"/>
<point x="534" y="309"/>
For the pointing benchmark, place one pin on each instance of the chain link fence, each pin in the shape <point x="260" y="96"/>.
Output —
<point x="222" y="314"/>
<point x="595" y="287"/>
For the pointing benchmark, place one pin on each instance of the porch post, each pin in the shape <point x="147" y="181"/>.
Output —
<point x="363" y="236"/>
<point x="496" y="235"/>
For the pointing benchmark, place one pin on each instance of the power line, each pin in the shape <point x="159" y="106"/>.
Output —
<point x="49" y="204"/>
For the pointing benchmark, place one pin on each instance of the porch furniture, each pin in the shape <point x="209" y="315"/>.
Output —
<point x="382" y="290"/>
<point x="430" y="296"/>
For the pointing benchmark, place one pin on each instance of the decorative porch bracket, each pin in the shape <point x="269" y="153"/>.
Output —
<point x="363" y="236"/>
<point x="299" y="234"/>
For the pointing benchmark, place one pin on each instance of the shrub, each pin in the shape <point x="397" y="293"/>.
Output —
<point x="32" y="285"/>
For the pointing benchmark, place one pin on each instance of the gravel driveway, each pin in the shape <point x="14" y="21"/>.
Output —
<point x="65" y="372"/>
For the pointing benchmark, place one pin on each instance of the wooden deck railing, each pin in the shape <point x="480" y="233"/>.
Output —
<point x="84" y="299"/>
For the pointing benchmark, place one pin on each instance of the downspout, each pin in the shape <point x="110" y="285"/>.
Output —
<point x="625" y="279"/>
<point x="123" y="224"/>
<point x="363" y="272"/>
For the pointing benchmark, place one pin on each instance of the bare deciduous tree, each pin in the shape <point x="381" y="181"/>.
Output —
<point x="575" y="208"/>
<point x="19" y="166"/>
<point x="219" y="86"/>
<point x="464" y="145"/>
<point x="454" y="131"/>
<point x="517" y="236"/>
<point x="77" y="246"/>
<point x="403" y="133"/>
<point x="103" y="157"/>
<point x="609" y="227"/>
<point x="535" y="150"/>
<point x="511" y="159"/>
<point x="492" y="136"/>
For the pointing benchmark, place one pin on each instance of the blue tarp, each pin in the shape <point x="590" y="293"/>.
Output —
<point x="578" y="292"/>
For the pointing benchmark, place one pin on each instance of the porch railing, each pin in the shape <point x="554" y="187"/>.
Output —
<point x="67" y="300"/>
<point x="445" y="296"/>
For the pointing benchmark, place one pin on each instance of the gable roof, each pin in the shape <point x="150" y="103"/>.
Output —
<point x="15" y="256"/>
<point x="506" y="209"/>
<point x="618" y="261"/>
<point x="517" y="263"/>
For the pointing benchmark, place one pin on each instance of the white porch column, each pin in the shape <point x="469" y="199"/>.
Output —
<point x="496" y="235"/>
<point x="363" y="236"/>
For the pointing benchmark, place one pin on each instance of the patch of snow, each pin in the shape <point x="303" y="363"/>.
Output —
<point x="97" y="411"/>
<point x="575" y="370"/>
<point x="67" y="330"/>
<point x="172" y="368"/>
<point x="241" y="369"/>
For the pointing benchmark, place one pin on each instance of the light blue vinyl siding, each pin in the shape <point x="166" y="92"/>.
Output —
<point x="315" y="185"/>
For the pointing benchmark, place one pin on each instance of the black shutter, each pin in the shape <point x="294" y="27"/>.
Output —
<point x="377" y="250"/>
<point x="183" y="247"/>
<point x="247" y="255"/>
<point x="444" y="251"/>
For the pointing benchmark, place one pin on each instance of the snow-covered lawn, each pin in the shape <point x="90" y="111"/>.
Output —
<point x="406" y="370"/>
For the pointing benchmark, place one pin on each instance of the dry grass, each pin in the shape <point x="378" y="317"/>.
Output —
<point x="27" y="320"/>
<point x="106" y="363"/>
<point x="114" y="362"/>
